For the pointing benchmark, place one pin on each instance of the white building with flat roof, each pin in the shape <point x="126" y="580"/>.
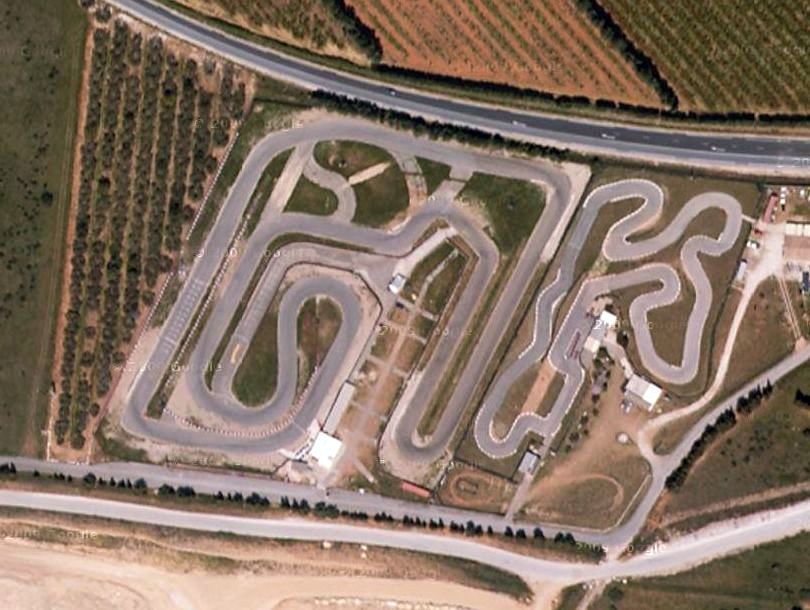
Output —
<point x="599" y="330"/>
<point x="325" y="451"/>
<point x="397" y="283"/>
<point x="642" y="393"/>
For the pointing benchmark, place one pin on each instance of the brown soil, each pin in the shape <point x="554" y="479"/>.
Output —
<point x="548" y="46"/>
<point x="89" y="564"/>
<point x="594" y="483"/>
<point x="470" y="488"/>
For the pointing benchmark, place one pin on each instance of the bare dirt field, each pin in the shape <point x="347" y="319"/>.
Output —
<point x="94" y="565"/>
<point x="595" y="481"/>
<point x="547" y="46"/>
<point x="468" y="487"/>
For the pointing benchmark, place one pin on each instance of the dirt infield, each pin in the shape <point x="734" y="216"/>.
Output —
<point x="468" y="487"/>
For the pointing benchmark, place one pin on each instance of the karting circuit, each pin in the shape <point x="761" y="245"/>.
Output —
<point x="368" y="255"/>
<point x="566" y="347"/>
<point x="290" y="257"/>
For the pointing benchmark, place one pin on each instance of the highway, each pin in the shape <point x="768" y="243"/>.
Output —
<point x="677" y="555"/>
<point x="756" y="153"/>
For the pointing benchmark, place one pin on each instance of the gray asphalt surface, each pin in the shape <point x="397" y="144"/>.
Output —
<point x="565" y="349"/>
<point x="222" y="400"/>
<point x="396" y="244"/>
<point x="347" y="203"/>
<point x="679" y="555"/>
<point x="760" y="152"/>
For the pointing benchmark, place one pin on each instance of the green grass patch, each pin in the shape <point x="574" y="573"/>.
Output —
<point x="512" y="206"/>
<point x="256" y="378"/>
<point x="441" y="288"/>
<point x="766" y="450"/>
<point x="424" y="267"/>
<point x="348" y="157"/>
<point x="773" y="576"/>
<point x="381" y="198"/>
<point x="434" y="172"/>
<point x="43" y="46"/>
<point x="318" y="324"/>
<point x="310" y="198"/>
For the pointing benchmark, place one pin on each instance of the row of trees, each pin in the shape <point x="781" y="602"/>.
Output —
<point x="73" y="317"/>
<point x="724" y="422"/>
<point x="643" y="65"/>
<point x="147" y="148"/>
<point x="321" y="509"/>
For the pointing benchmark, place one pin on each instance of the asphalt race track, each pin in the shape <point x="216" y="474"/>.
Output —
<point x="378" y="252"/>
<point x="563" y="354"/>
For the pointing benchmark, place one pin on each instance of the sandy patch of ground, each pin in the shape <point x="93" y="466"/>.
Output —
<point x="539" y="388"/>
<point x="369" y="173"/>
<point x="40" y="576"/>
<point x="594" y="483"/>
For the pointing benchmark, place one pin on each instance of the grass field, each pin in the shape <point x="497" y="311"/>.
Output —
<point x="348" y="157"/>
<point x="263" y="190"/>
<point x="512" y="206"/>
<point x="438" y="293"/>
<point x="309" y="198"/>
<point x="382" y="198"/>
<point x="43" y="46"/>
<point x="764" y="337"/>
<point x="766" y="450"/>
<point x="256" y="378"/>
<point x="423" y="269"/>
<point x="770" y="577"/>
<point x="318" y="324"/>
<point x="725" y="55"/>
<point x="434" y="173"/>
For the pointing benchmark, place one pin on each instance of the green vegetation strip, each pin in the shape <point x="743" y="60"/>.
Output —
<point x="256" y="378"/>
<point x="347" y="157"/>
<point x="264" y="188"/>
<point x="382" y="198"/>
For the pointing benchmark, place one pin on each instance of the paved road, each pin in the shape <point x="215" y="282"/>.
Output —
<point x="762" y="153"/>
<point x="564" y="349"/>
<point x="678" y="555"/>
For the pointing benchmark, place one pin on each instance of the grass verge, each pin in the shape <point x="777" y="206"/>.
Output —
<point x="43" y="52"/>
<point x="309" y="198"/>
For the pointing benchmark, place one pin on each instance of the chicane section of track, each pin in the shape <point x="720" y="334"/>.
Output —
<point x="273" y="224"/>
<point x="565" y="348"/>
